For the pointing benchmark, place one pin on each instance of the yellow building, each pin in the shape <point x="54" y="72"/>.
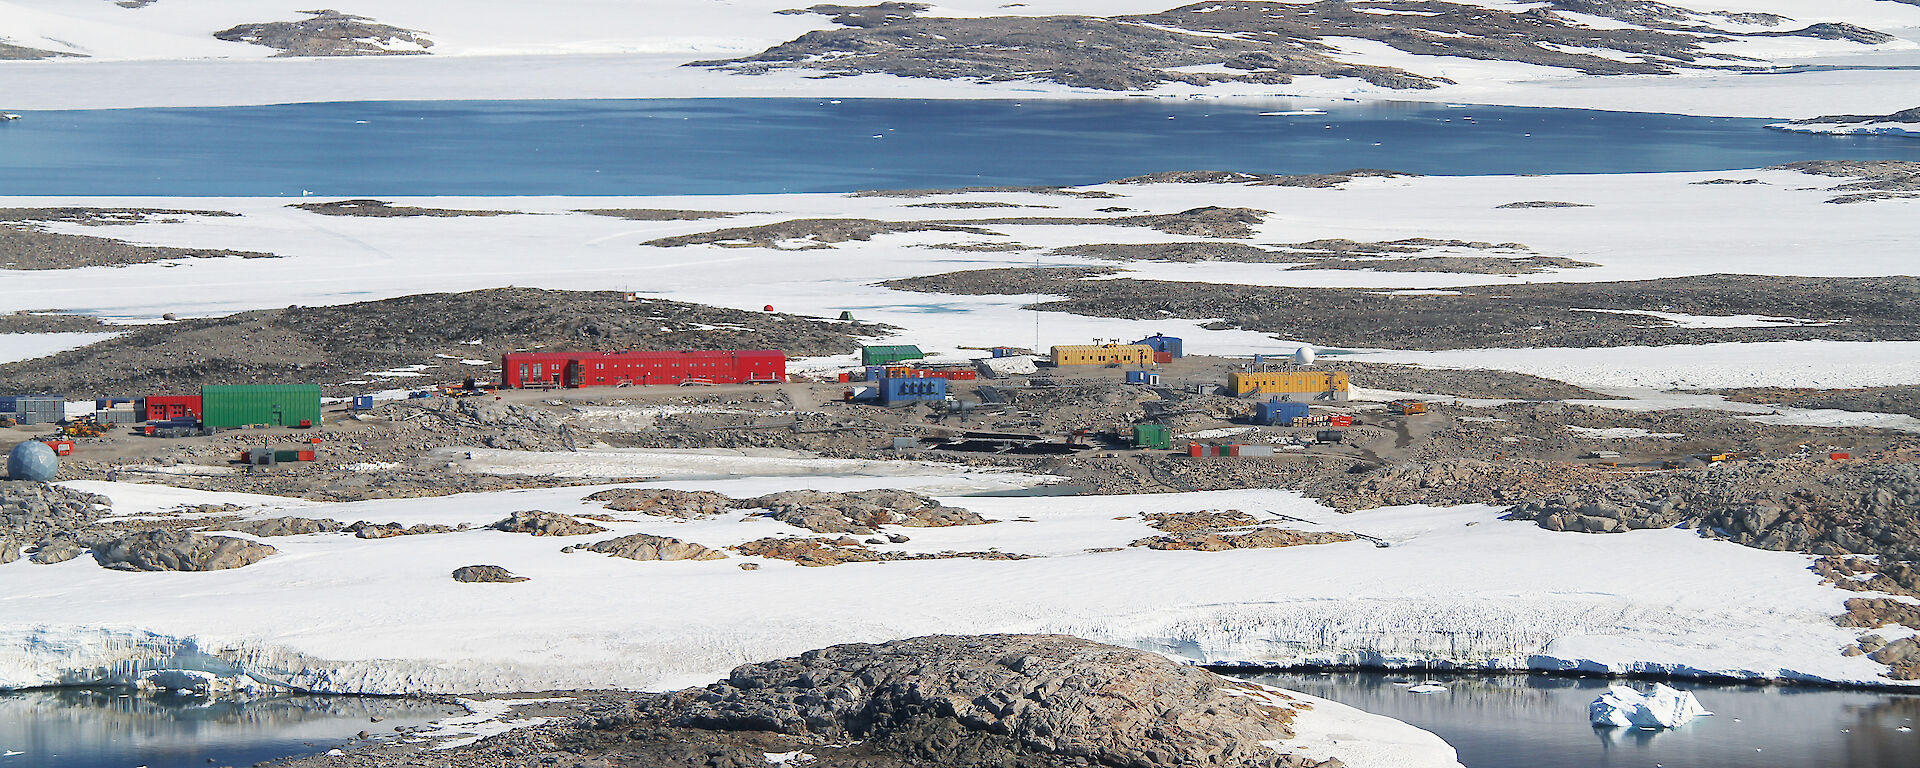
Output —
<point x="1290" y="385"/>
<point x="1103" y="354"/>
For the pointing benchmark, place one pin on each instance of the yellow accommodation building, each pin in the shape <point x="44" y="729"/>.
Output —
<point x="1103" y="354"/>
<point x="1290" y="385"/>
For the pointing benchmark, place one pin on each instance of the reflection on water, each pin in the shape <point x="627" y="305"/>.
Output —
<point x="1536" y="721"/>
<point x="89" y="727"/>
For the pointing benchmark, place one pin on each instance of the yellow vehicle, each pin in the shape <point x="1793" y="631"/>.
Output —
<point x="1407" y="407"/>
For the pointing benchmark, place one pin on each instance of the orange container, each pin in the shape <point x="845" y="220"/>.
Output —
<point x="1839" y="456"/>
<point x="306" y="455"/>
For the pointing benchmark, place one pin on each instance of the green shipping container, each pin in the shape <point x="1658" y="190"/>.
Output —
<point x="882" y="355"/>
<point x="1154" y="436"/>
<point x="239" y="405"/>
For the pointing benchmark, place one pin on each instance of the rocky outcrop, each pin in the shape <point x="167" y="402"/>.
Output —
<point x="663" y="502"/>
<point x="996" y="701"/>
<point x="280" y="526"/>
<point x="174" y="550"/>
<point x="31" y="512"/>
<point x="989" y="700"/>
<point x="540" y="523"/>
<point x="485" y="574"/>
<point x="860" y="512"/>
<point x="329" y="33"/>
<point x="641" y="546"/>
<point x="1205" y="520"/>
<point x="9" y="550"/>
<point x="1263" y="538"/>
<point x="814" y="552"/>
<point x="56" y="551"/>
<point x="362" y="529"/>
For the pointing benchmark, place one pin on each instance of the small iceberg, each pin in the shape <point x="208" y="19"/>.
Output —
<point x="1661" y="707"/>
<point x="1428" y="688"/>
<point x="8" y="116"/>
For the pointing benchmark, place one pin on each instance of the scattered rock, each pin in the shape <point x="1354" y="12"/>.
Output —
<point x="663" y="502"/>
<point x="1543" y="204"/>
<point x="365" y="530"/>
<point x="329" y="33"/>
<point x="814" y="552"/>
<point x="541" y="523"/>
<point x="280" y="526"/>
<point x="860" y="512"/>
<point x="641" y="546"/>
<point x="56" y="551"/>
<point x="1207" y="520"/>
<point x="175" y="550"/>
<point x="489" y="574"/>
<point x="383" y="209"/>
<point x="1264" y="538"/>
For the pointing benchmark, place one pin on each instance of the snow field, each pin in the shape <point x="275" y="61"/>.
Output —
<point x="494" y="49"/>
<point x="1457" y="586"/>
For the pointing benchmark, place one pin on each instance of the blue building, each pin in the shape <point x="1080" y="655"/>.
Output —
<point x="896" y="390"/>
<point x="1278" y="412"/>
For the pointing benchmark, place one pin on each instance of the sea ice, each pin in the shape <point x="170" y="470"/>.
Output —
<point x="1661" y="707"/>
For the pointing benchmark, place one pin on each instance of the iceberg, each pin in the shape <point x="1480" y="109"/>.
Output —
<point x="1661" y="707"/>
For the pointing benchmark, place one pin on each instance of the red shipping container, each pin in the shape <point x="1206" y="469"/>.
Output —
<point x="1342" y="420"/>
<point x="1233" y="450"/>
<point x="306" y="455"/>
<point x="846" y="378"/>
<point x="1163" y="356"/>
<point x="1196" y="450"/>
<point x="163" y="407"/>
<point x="1839" y="456"/>
<point x="60" y="447"/>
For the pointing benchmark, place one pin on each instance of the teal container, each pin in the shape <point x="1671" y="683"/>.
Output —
<point x="225" y="406"/>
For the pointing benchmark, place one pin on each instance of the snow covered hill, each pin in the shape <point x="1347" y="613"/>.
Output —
<point x="166" y="52"/>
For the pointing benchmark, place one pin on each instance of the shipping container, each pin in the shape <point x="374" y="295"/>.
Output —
<point x="1340" y="420"/>
<point x="1143" y="377"/>
<point x="1839" y="456"/>
<point x="116" y="416"/>
<point x="1254" y="451"/>
<point x="1290" y="385"/>
<point x="1153" y="436"/>
<point x="613" y="369"/>
<point x="1162" y="357"/>
<point x="1103" y="354"/>
<point x="103" y="403"/>
<point x="889" y="353"/>
<point x="60" y="446"/>
<point x="1161" y="342"/>
<point x="1278" y="412"/>
<point x="363" y="402"/>
<point x="908" y="390"/>
<point x="35" y="409"/>
<point x="305" y="454"/>
<point x="165" y="407"/>
<point x="226" y="406"/>
<point x="906" y="443"/>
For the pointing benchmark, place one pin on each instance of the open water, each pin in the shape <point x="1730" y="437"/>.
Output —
<point x="115" y="728"/>
<point x="733" y="146"/>
<point x="1535" y="721"/>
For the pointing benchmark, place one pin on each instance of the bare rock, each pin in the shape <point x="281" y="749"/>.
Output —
<point x="987" y="699"/>
<point x="641" y="546"/>
<point x="1205" y="520"/>
<point x="174" y="550"/>
<point x="485" y="574"/>
<point x="56" y="551"/>
<point x="365" y="530"/>
<point x="280" y="526"/>
<point x="1264" y="538"/>
<point x="860" y="512"/>
<point x="9" y="550"/>
<point x="541" y="523"/>
<point x="817" y="552"/>
<point x="663" y="502"/>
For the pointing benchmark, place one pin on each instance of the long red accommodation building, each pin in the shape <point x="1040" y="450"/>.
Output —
<point x="612" y="369"/>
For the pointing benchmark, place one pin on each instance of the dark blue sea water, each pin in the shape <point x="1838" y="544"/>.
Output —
<point x="1535" y="721"/>
<point x="729" y="146"/>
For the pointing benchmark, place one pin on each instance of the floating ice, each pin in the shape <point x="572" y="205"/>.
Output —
<point x="1661" y="707"/>
<point x="1428" y="688"/>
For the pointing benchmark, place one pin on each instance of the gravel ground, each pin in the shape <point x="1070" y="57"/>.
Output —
<point x="1534" y="315"/>
<point x="339" y="344"/>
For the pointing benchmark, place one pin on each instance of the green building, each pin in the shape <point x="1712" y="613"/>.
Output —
<point x="241" y="405"/>
<point x="889" y="353"/>
<point x="1153" y="436"/>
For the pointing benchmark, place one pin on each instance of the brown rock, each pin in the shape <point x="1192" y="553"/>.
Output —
<point x="172" y="550"/>
<point x="540" y="523"/>
<point x="1264" y="538"/>
<point x="490" y="574"/>
<point x="641" y="546"/>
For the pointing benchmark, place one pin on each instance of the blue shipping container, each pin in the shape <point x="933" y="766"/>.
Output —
<point x="1161" y="342"/>
<point x="1143" y="377"/>
<point x="363" y="402"/>
<point x="907" y="390"/>
<point x="1277" y="412"/>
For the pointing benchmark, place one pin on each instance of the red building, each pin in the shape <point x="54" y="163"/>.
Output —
<point x="612" y="369"/>
<point x="163" y="407"/>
